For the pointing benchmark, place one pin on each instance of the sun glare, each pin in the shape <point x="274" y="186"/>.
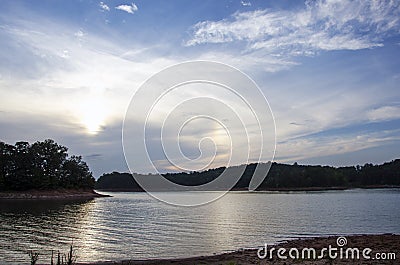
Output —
<point x="92" y="115"/>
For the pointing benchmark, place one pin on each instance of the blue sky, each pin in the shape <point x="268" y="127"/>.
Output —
<point x="329" y="69"/>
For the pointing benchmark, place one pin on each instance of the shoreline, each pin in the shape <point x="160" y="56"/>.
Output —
<point x="300" y="189"/>
<point x="58" y="194"/>
<point x="383" y="243"/>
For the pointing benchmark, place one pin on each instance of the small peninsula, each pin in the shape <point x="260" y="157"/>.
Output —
<point x="43" y="170"/>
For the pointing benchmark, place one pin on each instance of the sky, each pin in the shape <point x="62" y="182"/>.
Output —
<point x="330" y="71"/>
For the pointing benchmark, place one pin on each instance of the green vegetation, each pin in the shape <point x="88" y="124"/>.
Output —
<point x="280" y="177"/>
<point x="42" y="165"/>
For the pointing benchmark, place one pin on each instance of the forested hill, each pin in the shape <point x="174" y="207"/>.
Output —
<point x="41" y="166"/>
<point x="280" y="177"/>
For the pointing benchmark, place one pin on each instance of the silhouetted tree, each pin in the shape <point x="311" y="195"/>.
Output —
<point x="280" y="176"/>
<point x="42" y="165"/>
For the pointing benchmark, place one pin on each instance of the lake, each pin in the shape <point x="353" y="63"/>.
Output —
<point x="136" y="226"/>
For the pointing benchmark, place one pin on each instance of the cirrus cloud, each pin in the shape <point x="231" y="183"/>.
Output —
<point x="131" y="9"/>
<point x="104" y="6"/>
<point x="384" y="113"/>
<point x="321" y="25"/>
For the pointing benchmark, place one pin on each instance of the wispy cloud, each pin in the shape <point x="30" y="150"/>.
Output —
<point x="320" y="25"/>
<point x="311" y="147"/>
<point x="79" y="34"/>
<point x="103" y="6"/>
<point x="131" y="9"/>
<point x="249" y="61"/>
<point x="56" y="83"/>
<point x="61" y="74"/>
<point x="384" y="113"/>
<point x="244" y="3"/>
<point x="66" y="79"/>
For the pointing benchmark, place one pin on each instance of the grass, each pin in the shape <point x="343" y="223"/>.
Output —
<point x="62" y="259"/>
<point x="34" y="256"/>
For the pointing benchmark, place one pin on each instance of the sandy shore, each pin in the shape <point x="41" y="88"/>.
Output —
<point x="59" y="194"/>
<point x="386" y="243"/>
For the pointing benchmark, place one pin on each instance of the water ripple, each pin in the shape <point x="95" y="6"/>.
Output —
<point x="133" y="225"/>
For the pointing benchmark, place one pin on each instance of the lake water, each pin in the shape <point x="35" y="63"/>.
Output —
<point x="136" y="226"/>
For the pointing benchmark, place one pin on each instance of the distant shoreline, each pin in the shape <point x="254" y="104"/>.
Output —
<point x="66" y="194"/>
<point x="277" y="177"/>
<point x="272" y="189"/>
<point x="57" y="194"/>
<point x="384" y="243"/>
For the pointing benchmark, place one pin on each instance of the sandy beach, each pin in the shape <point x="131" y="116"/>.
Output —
<point x="385" y="245"/>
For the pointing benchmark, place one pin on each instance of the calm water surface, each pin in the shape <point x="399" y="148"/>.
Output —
<point x="136" y="226"/>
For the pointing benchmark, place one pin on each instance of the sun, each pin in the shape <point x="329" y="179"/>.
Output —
<point x="92" y="115"/>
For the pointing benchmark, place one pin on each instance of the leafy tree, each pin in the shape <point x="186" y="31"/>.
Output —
<point x="42" y="165"/>
<point x="48" y="159"/>
<point x="76" y="174"/>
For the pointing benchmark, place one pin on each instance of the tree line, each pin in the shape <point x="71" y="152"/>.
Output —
<point x="303" y="176"/>
<point x="280" y="176"/>
<point x="41" y="165"/>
